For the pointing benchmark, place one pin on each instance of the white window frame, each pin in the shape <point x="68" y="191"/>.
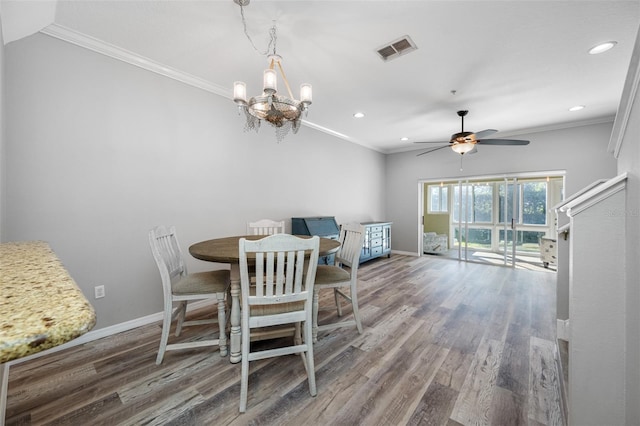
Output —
<point x="442" y="208"/>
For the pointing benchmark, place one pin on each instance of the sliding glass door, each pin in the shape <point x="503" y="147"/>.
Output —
<point x="509" y="206"/>
<point x="499" y="220"/>
<point x="472" y="217"/>
<point x="523" y="216"/>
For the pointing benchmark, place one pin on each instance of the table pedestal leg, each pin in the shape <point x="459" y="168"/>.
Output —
<point x="236" y="353"/>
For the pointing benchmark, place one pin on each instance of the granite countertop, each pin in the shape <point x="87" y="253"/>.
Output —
<point x="40" y="304"/>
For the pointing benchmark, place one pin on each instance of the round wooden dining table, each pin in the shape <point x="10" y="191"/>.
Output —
<point x="226" y="250"/>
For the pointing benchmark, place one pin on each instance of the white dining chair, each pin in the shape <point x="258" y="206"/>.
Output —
<point x="281" y="295"/>
<point x="343" y="274"/>
<point x="265" y="227"/>
<point x="181" y="287"/>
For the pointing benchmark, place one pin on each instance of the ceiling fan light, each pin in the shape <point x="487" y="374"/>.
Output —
<point x="462" y="148"/>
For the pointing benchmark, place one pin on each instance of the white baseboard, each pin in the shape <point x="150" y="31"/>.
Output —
<point x="406" y="253"/>
<point x="108" y="331"/>
<point x="563" y="330"/>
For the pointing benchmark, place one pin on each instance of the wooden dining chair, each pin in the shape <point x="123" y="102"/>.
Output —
<point x="265" y="227"/>
<point x="344" y="273"/>
<point x="281" y="295"/>
<point x="181" y="287"/>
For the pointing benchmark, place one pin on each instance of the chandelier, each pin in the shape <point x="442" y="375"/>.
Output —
<point x="282" y="112"/>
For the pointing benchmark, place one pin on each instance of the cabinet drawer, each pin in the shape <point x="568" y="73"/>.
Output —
<point x="376" y="243"/>
<point x="376" y="251"/>
<point x="375" y="235"/>
<point x="375" y="228"/>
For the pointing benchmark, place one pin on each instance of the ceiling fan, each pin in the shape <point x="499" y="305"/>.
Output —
<point x="465" y="142"/>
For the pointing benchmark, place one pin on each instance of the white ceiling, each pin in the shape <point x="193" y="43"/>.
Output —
<point x="516" y="65"/>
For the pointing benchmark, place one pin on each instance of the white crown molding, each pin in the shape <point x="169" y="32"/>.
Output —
<point x="99" y="46"/>
<point x="79" y="39"/>
<point x="626" y="102"/>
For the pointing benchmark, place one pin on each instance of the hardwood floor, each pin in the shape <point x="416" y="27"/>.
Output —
<point x="444" y="343"/>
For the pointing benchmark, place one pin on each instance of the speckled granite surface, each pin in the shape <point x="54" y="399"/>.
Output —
<point x="40" y="304"/>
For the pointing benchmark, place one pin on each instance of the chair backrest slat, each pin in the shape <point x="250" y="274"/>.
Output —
<point x="166" y="250"/>
<point x="351" y="240"/>
<point x="281" y="270"/>
<point x="167" y="254"/>
<point x="265" y="227"/>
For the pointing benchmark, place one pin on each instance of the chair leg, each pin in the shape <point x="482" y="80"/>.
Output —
<point x="164" y="337"/>
<point x="222" y="323"/>
<point x="244" y="384"/>
<point x="315" y="308"/>
<point x="298" y="335"/>
<point x="181" y="310"/>
<point x="310" y="366"/>
<point x="354" y="306"/>
<point x="244" y="377"/>
<point x="297" y="338"/>
<point x="338" y="306"/>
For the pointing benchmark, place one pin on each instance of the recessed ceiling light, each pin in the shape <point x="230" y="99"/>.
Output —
<point x="404" y="139"/>
<point x="602" y="47"/>
<point x="358" y="114"/>
<point x="576" y="108"/>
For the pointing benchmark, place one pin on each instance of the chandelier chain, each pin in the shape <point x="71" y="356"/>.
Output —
<point x="272" y="34"/>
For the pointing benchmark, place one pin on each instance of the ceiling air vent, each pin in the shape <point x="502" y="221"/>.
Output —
<point x="398" y="47"/>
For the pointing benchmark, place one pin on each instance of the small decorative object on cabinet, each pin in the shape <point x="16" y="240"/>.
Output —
<point x="322" y="226"/>
<point x="377" y="240"/>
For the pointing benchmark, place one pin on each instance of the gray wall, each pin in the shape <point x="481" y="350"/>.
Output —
<point x="580" y="151"/>
<point x="99" y="151"/>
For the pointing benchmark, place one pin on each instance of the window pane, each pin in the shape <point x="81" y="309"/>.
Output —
<point x="509" y="196"/>
<point x="444" y="201"/>
<point x="438" y="199"/>
<point x="466" y="204"/>
<point x="434" y="195"/>
<point x="534" y="203"/>
<point x="483" y="203"/>
<point x="456" y="204"/>
<point x="527" y="240"/>
<point x="477" y="238"/>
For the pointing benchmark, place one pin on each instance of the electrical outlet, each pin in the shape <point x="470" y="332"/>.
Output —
<point x="99" y="291"/>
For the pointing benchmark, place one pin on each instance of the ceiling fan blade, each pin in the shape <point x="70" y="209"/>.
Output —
<point x="431" y="150"/>
<point x="473" y="151"/>
<point x="484" y="133"/>
<point x="503" y="142"/>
